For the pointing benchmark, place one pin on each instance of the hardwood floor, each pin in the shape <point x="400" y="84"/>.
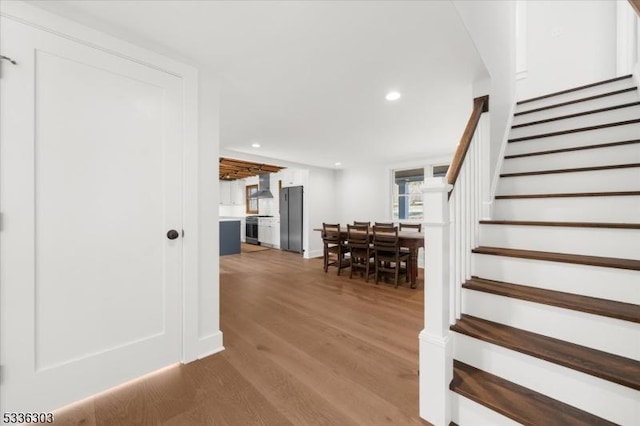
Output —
<point x="302" y="348"/>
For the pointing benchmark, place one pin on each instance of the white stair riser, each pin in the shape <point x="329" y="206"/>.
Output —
<point x="467" y="412"/>
<point x="597" y="332"/>
<point x="605" y="102"/>
<point x="599" y="136"/>
<point x="622" y="114"/>
<point x="605" y="399"/>
<point x="578" y="94"/>
<point x="557" y="183"/>
<point x="622" y="154"/>
<point x="620" y="243"/>
<point x="605" y="283"/>
<point x="617" y="209"/>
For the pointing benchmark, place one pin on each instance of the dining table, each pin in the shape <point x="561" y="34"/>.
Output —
<point x="411" y="240"/>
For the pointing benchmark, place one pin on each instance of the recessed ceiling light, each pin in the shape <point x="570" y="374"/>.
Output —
<point x="255" y="145"/>
<point x="393" y="96"/>
<point x="338" y="164"/>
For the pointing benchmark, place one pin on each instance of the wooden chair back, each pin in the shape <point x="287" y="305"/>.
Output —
<point x="331" y="233"/>
<point x="385" y="238"/>
<point x="388" y="256"/>
<point x="358" y="236"/>
<point x="385" y="224"/>
<point x="367" y="224"/>
<point x="411" y="226"/>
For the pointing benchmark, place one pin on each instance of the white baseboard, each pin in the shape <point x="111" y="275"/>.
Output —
<point x="313" y="254"/>
<point x="206" y="346"/>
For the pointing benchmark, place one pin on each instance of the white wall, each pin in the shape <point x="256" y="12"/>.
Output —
<point x="321" y="205"/>
<point x="492" y="26"/>
<point x="363" y="194"/>
<point x="568" y="44"/>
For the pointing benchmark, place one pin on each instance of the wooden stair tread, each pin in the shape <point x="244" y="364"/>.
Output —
<point x="592" y="305"/>
<point x="577" y="130"/>
<point x="576" y="148"/>
<point x="573" y="170"/>
<point x="570" y="195"/>
<point x="563" y="224"/>
<point x="589" y="98"/>
<point x="574" y="89"/>
<point x="607" y="262"/>
<point x="578" y="114"/>
<point x="610" y="367"/>
<point x="516" y="402"/>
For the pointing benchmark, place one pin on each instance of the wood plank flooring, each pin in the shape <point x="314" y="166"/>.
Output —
<point x="302" y="348"/>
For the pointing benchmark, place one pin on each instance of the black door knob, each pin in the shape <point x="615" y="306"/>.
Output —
<point x="172" y="234"/>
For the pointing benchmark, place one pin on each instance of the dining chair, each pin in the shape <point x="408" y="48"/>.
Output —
<point x="355" y="222"/>
<point x="385" y="224"/>
<point x="411" y="226"/>
<point x="362" y="255"/>
<point x="335" y="249"/>
<point x="388" y="256"/>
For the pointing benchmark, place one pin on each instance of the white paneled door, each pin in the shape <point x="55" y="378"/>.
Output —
<point x="90" y="186"/>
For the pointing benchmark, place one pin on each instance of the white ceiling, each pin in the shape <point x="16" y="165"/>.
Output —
<point x="307" y="79"/>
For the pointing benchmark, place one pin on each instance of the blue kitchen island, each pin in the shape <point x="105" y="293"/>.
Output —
<point x="229" y="235"/>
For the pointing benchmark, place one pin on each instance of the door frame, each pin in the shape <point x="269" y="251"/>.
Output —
<point x="194" y="346"/>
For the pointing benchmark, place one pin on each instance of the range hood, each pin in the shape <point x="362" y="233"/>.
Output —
<point x="264" y="182"/>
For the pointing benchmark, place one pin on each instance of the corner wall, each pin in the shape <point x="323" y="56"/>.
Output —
<point x="492" y="27"/>
<point x="208" y="337"/>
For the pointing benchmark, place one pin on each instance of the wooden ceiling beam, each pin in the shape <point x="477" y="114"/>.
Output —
<point x="231" y="169"/>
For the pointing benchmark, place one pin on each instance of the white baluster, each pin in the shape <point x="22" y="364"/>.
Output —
<point x="458" y="242"/>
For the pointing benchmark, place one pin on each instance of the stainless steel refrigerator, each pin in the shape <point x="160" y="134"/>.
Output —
<point x="291" y="218"/>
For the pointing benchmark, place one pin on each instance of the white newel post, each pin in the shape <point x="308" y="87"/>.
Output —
<point x="436" y="351"/>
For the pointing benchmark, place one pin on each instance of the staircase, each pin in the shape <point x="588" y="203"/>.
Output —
<point x="550" y="325"/>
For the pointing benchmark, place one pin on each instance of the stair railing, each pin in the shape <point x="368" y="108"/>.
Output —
<point x="453" y="207"/>
<point x="465" y="202"/>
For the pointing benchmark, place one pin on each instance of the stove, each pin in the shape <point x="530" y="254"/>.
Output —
<point x="251" y="228"/>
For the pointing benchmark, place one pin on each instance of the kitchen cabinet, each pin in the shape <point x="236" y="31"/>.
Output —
<point x="275" y="227"/>
<point x="231" y="192"/>
<point x="269" y="231"/>
<point x="293" y="177"/>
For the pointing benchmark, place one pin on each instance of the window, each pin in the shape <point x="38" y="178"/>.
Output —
<point x="251" y="203"/>
<point x="407" y="194"/>
<point x="440" y="171"/>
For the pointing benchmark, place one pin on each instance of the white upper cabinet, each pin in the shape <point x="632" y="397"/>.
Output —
<point x="293" y="177"/>
<point x="225" y="192"/>
<point x="231" y="193"/>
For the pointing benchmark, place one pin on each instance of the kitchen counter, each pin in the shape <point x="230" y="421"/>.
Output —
<point x="229" y="218"/>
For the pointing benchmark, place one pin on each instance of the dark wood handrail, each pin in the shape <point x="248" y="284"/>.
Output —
<point x="480" y="105"/>
<point x="636" y="6"/>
